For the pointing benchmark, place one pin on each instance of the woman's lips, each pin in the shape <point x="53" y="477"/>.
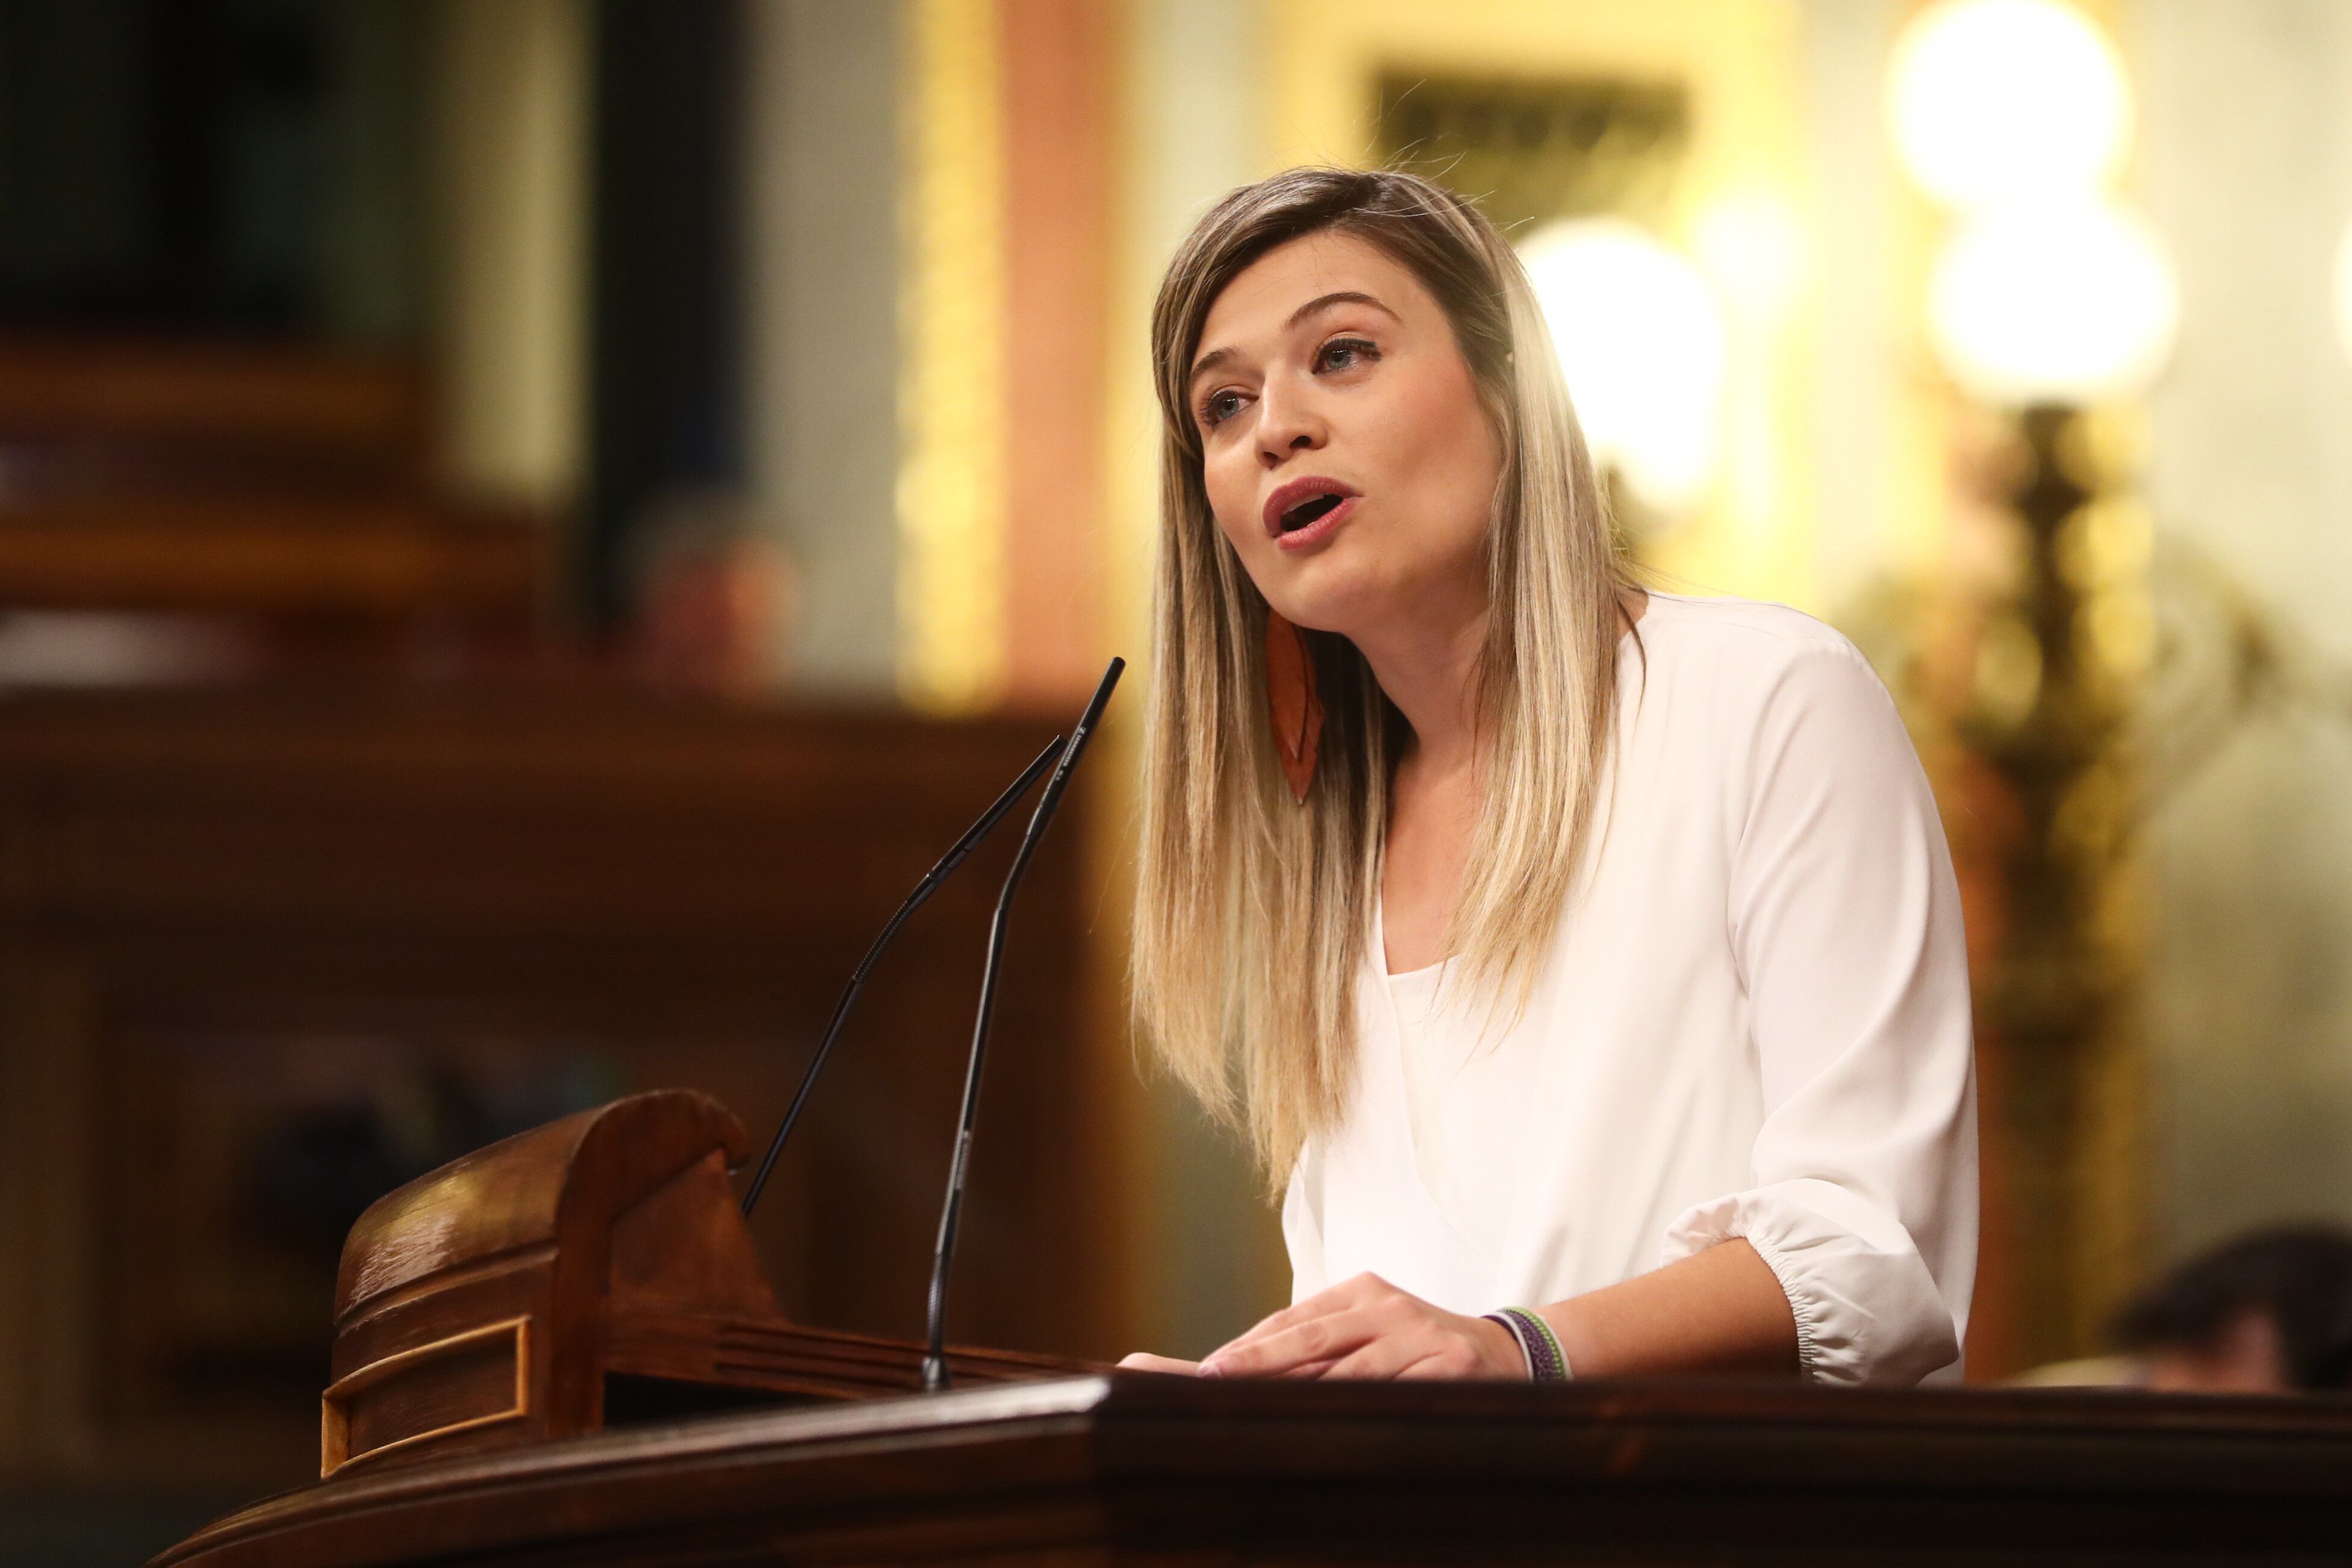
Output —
<point x="1304" y="492"/>
<point x="1321" y="529"/>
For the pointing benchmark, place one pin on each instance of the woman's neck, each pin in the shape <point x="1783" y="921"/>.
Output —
<point x="1428" y="665"/>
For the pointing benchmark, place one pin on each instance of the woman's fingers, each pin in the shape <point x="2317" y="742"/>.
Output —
<point x="1143" y="1361"/>
<point x="1327" y="1338"/>
<point x="1364" y="1328"/>
<point x="1362" y="1289"/>
<point x="1422" y="1347"/>
<point x="1309" y="1371"/>
<point x="1274" y="1323"/>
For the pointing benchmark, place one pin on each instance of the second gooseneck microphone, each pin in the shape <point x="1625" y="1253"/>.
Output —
<point x="935" y="1362"/>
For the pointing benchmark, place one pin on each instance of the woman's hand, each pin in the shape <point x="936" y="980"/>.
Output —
<point x="1143" y="1360"/>
<point x="1368" y="1328"/>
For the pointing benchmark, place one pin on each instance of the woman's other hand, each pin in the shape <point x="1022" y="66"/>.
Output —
<point x="1368" y="1327"/>
<point x="1143" y="1361"/>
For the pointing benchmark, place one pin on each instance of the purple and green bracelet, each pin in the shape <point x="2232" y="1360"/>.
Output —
<point x="1547" y="1363"/>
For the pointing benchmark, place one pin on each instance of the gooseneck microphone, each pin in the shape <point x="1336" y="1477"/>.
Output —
<point x="923" y="891"/>
<point x="935" y="1362"/>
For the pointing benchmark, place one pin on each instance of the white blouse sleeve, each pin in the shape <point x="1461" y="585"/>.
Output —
<point x="1845" y="926"/>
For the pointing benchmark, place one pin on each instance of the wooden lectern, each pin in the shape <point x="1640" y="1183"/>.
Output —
<point x="585" y="1273"/>
<point x="596" y="1273"/>
<point x="1173" y="1471"/>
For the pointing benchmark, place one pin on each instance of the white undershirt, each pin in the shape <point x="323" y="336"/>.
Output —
<point x="1753" y="1021"/>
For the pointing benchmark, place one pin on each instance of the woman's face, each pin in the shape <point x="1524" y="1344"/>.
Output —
<point x="1346" y="455"/>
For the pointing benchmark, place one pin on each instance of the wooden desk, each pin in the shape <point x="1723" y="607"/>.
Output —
<point x="1166" y="1471"/>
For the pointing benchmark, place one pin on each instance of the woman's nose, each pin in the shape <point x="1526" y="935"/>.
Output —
<point x="1287" y="424"/>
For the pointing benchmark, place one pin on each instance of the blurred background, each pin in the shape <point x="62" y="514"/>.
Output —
<point x="525" y="525"/>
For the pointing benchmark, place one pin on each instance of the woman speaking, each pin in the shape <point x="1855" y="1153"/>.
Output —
<point x="1588" y="961"/>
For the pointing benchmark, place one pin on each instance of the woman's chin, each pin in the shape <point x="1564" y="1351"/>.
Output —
<point x="1325" y="601"/>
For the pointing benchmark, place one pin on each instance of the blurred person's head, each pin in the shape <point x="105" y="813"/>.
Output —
<point x="2267" y="1313"/>
<point x="1367" y="448"/>
<point x="711" y="597"/>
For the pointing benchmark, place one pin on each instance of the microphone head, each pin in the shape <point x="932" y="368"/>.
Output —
<point x="1093" y="712"/>
<point x="1080" y="733"/>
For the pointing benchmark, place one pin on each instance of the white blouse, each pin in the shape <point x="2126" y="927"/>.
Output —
<point x="1753" y="1021"/>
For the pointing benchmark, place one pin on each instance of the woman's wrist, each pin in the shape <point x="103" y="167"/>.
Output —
<point x="1722" y="1310"/>
<point x="1540" y="1352"/>
<point x="1498" y="1348"/>
<point x="1573" y="1330"/>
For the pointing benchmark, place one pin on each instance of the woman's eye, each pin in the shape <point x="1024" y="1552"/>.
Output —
<point x="1346" y="354"/>
<point x="1220" y="406"/>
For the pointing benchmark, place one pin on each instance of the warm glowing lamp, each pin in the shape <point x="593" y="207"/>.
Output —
<point x="1993" y="101"/>
<point x="1641" y="338"/>
<point x="2045" y="298"/>
<point x="2066" y="302"/>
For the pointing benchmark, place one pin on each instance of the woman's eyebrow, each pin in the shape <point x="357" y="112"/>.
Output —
<point x="1216" y="357"/>
<point x="1342" y="297"/>
<point x="1207" y="362"/>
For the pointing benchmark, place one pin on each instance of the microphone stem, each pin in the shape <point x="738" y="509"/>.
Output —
<point x="935" y="1359"/>
<point x="824" y="1045"/>
<point x="935" y="1362"/>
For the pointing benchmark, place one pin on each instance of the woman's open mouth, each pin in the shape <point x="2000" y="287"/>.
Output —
<point x="1306" y="511"/>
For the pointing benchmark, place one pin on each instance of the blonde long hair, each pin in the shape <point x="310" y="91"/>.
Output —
<point x="1253" y="913"/>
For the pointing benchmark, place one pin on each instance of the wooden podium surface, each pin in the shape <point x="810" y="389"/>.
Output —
<point x="1168" y="1470"/>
